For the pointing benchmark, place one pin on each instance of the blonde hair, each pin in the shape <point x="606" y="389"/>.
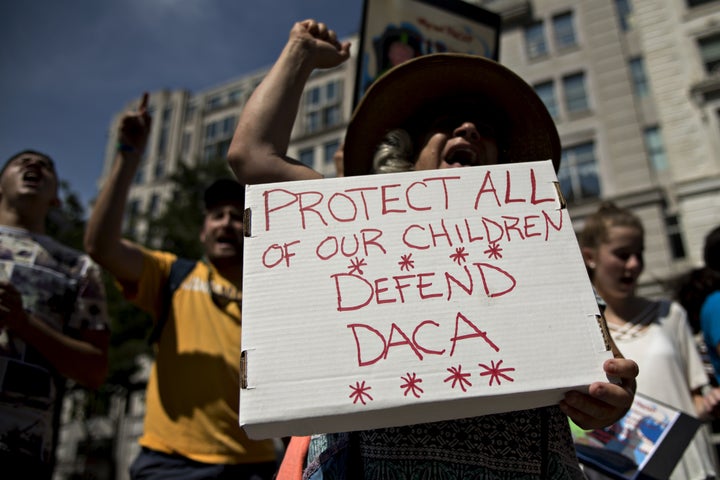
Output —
<point x="598" y="224"/>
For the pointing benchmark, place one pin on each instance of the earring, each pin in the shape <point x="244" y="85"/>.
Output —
<point x="591" y="265"/>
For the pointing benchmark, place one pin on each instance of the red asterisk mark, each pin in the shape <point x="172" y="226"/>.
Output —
<point x="406" y="262"/>
<point x="458" y="377"/>
<point x="493" y="251"/>
<point x="356" y="265"/>
<point x="496" y="372"/>
<point x="411" y="385"/>
<point x="359" y="392"/>
<point x="459" y="256"/>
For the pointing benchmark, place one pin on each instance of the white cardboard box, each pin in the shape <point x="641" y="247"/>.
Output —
<point x="395" y="299"/>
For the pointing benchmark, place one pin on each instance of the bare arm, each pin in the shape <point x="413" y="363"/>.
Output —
<point x="103" y="234"/>
<point x="258" y="151"/>
<point x="84" y="359"/>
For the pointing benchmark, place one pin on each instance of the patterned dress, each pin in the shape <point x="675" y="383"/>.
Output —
<point x="529" y="444"/>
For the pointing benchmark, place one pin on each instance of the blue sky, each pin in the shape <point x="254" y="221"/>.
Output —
<point x="68" y="66"/>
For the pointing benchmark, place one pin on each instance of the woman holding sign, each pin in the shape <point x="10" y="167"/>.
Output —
<point x="444" y="111"/>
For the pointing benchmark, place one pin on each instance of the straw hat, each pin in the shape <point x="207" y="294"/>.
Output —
<point x="407" y="94"/>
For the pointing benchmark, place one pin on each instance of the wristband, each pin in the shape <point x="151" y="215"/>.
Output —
<point x="122" y="147"/>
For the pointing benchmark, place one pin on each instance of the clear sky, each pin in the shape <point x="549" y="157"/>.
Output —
<point x="66" y="66"/>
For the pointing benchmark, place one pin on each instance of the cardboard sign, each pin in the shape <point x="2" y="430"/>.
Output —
<point x="394" y="31"/>
<point x="395" y="299"/>
<point x="646" y="443"/>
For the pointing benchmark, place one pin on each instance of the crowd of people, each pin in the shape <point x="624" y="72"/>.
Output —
<point x="427" y="113"/>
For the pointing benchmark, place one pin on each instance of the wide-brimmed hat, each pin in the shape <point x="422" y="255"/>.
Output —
<point x="408" y="91"/>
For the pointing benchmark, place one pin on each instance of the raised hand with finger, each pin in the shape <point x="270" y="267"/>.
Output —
<point x="134" y="129"/>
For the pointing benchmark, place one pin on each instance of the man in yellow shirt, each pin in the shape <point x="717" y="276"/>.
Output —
<point x="191" y="425"/>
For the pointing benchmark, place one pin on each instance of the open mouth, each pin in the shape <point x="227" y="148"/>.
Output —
<point x="31" y="176"/>
<point x="461" y="155"/>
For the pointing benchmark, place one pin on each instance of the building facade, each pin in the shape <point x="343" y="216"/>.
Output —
<point x="633" y="86"/>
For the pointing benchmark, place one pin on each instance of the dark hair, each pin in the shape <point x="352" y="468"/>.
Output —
<point x="26" y="152"/>
<point x="691" y="290"/>
<point x="711" y="252"/>
<point x="224" y="191"/>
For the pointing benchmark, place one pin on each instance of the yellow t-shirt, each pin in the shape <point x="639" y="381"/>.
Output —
<point x="194" y="386"/>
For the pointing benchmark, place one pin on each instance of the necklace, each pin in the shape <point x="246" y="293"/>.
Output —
<point x="637" y="326"/>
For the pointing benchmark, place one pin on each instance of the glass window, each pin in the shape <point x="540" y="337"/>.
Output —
<point x="189" y="112"/>
<point x="312" y="96"/>
<point x="214" y="102"/>
<point x="710" y="53"/>
<point x="186" y="139"/>
<point x="564" y="30"/>
<point x="159" y="168"/>
<point x="578" y="173"/>
<point x="695" y="3"/>
<point x="674" y="235"/>
<point x="162" y="141"/>
<point x="210" y="130"/>
<point x="655" y="149"/>
<point x="228" y="126"/>
<point x="312" y="122"/>
<point x="307" y="157"/>
<point x="575" y="96"/>
<point x="535" y="43"/>
<point x="330" y="148"/>
<point x="331" y="116"/>
<point x="331" y="91"/>
<point x="154" y="205"/>
<point x="624" y="12"/>
<point x="235" y="95"/>
<point x="546" y="92"/>
<point x="166" y="115"/>
<point x="639" y="79"/>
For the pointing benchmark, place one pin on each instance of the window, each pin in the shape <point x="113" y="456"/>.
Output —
<point x="331" y="116"/>
<point x="312" y="97"/>
<point x="210" y="130"/>
<point x="312" y="122"/>
<point x="154" y="205"/>
<point x="624" y="12"/>
<point x="564" y="31"/>
<point x="535" y="43"/>
<point x="674" y="236"/>
<point x="695" y="3"/>
<point x="655" y="149"/>
<point x="323" y="106"/>
<point x="330" y="148"/>
<point x="214" y="102"/>
<point x="307" y="157"/>
<point x="575" y="96"/>
<point x="235" y="96"/>
<point x="189" y="112"/>
<point x="228" y="126"/>
<point x="710" y="53"/>
<point x="159" y="168"/>
<point x="186" y="139"/>
<point x="639" y="79"/>
<point x="166" y="115"/>
<point x="578" y="174"/>
<point x="162" y="141"/>
<point x="546" y="92"/>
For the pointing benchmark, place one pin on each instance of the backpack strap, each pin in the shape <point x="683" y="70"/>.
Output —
<point x="179" y="270"/>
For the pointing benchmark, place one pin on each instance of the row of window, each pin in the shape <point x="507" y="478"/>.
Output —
<point x="563" y="35"/>
<point x="322" y="107"/>
<point x="307" y="157"/>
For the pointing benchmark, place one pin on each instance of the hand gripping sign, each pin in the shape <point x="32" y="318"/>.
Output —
<point x="384" y="300"/>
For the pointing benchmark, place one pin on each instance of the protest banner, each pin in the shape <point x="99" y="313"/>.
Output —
<point x="395" y="299"/>
<point x="393" y="31"/>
